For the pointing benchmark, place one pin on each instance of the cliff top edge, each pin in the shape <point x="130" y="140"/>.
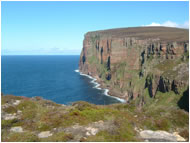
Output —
<point x="162" y="33"/>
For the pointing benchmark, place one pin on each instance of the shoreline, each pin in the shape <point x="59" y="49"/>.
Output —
<point x="97" y="86"/>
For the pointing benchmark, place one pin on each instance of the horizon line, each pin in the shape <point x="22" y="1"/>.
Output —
<point x="42" y="55"/>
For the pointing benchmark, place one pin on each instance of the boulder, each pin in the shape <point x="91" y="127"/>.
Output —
<point x="160" y="136"/>
<point x="44" y="134"/>
<point x="17" y="129"/>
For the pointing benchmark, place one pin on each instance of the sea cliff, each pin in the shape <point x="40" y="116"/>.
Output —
<point x="137" y="62"/>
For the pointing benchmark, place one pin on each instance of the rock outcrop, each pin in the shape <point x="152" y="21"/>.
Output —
<point x="133" y="62"/>
<point x="160" y="136"/>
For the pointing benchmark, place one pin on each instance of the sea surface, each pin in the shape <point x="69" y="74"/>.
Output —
<point x="54" y="78"/>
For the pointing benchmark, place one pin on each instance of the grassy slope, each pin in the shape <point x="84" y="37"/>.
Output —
<point x="41" y="115"/>
<point x="163" y="33"/>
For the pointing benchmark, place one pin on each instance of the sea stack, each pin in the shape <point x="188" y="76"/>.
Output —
<point x="139" y="61"/>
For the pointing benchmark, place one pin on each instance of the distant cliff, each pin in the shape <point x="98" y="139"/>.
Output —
<point x="135" y="62"/>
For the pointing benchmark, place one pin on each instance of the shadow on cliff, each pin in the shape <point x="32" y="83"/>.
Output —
<point x="183" y="103"/>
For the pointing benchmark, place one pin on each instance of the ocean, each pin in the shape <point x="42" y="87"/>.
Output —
<point x="54" y="78"/>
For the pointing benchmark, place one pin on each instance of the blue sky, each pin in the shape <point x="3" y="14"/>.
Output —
<point x="58" y="28"/>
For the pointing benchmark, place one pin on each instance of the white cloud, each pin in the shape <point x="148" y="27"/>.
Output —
<point x="170" y="24"/>
<point x="153" y="24"/>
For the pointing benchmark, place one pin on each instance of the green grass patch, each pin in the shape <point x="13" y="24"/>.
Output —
<point x="124" y="131"/>
<point x="10" y="109"/>
<point x="20" y="137"/>
<point x="8" y="123"/>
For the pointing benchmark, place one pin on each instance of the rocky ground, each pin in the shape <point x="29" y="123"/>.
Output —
<point x="36" y="119"/>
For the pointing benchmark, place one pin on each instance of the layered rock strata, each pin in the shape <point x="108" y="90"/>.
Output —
<point x="133" y="62"/>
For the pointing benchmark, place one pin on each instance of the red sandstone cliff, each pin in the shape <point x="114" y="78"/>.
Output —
<point x="133" y="61"/>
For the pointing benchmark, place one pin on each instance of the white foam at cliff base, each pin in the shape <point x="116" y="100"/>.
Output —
<point x="97" y="87"/>
<point x="106" y="93"/>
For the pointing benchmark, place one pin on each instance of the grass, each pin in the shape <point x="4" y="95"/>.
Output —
<point x="123" y="131"/>
<point x="8" y="123"/>
<point x="8" y="98"/>
<point x="10" y="109"/>
<point x="20" y="137"/>
<point x="161" y="113"/>
<point x="168" y="64"/>
<point x="164" y="112"/>
<point x="185" y="133"/>
<point x="120" y="70"/>
<point x="92" y="60"/>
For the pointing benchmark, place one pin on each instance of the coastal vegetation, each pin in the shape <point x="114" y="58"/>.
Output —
<point x="118" y="122"/>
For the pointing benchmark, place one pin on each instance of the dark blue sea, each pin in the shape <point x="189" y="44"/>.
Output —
<point x="51" y="77"/>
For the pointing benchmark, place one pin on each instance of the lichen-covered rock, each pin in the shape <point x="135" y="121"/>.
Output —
<point x="17" y="129"/>
<point x="160" y="136"/>
<point x="44" y="134"/>
<point x="128" y="60"/>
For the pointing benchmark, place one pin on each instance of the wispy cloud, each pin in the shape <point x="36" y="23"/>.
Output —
<point x="170" y="24"/>
<point x="42" y="51"/>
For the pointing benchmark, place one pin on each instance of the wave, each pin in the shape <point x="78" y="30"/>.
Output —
<point x="97" y="86"/>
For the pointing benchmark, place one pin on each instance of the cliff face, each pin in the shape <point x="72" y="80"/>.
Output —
<point x="133" y="62"/>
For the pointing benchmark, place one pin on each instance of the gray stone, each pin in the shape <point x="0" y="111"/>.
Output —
<point x="91" y="131"/>
<point x="9" y="116"/>
<point x="44" y="134"/>
<point x="17" y="129"/>
<point x="16" y="102"/>
<point x="157" y="136"/>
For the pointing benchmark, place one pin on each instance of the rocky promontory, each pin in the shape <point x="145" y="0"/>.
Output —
<point x="138" y="62"/>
